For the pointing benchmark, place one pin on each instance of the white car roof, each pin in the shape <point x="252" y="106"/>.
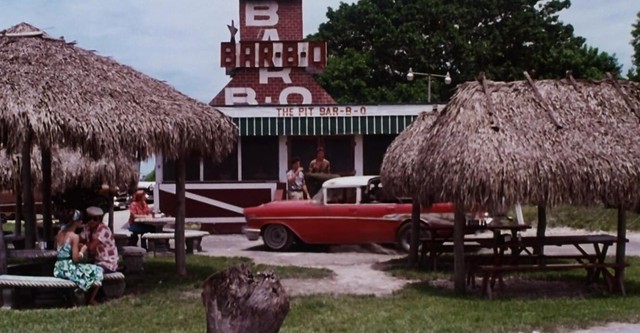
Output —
<point x="349" y="181"/>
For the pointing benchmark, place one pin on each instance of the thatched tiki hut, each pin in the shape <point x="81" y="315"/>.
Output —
<point x="401" y="154"/>
<point x="55" y="93"/>
<point x="542" y="143"/>
<point x="71" y="169"/>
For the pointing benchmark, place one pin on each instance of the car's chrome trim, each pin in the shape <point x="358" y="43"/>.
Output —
<point x="251" y="233"/>
<point x="280" y="218"/>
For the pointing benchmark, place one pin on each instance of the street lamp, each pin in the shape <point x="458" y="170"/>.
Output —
<point x="411" y="74"/>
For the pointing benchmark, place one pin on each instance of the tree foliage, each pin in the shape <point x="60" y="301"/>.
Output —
<point x="635" y="42"/>
<point x="372" y="44"/>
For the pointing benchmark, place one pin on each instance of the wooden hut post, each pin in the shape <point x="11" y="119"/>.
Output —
<point x="415" y="233"/>
<point x="180" y="216"/>
<point x="18" y="214"/>
<point x="3" y="256"/>
<point x="110" y="195"/>
<point x="542" y="228"/>
<point x="27" y="196"/>
<point x="621" y="247"/>
<point x="47" y="223"/>
<point x="458" y="249"/>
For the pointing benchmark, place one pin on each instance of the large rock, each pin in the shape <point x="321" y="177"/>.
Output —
<point x="237" y="301"/>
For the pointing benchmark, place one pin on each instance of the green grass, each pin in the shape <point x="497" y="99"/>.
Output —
<point x="156" y="300"/>
<point x="159" y="301"/>
<point x="590" y="218"/>
<point x="421" y="308"/>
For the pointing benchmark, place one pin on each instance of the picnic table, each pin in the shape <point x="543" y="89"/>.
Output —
<point x="510" y="252"/>
<point x="433" y="246"/>
<point x="159" y="244"/>
<point x="158" y="222"/>
<point x="32" y="254"/>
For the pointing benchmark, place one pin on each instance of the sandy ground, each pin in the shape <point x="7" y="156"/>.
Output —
<point x="354" y="267"/>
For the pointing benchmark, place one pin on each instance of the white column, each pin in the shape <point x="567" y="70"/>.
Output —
<point x="156" y="188"/>
<point x="283" y="163"/>
<point x="239" y="158"/>
<point x="358" y="161"/>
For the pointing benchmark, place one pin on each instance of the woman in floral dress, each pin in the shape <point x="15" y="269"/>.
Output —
<point x="88" y="277"/>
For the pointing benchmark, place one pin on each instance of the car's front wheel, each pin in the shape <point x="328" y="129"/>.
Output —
<point x="277" y="237"/>
<point x="404" y="235"/>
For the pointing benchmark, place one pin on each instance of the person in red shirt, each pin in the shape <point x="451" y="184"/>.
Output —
<point x="100" y="242"/>
<point x="139" y="208"/>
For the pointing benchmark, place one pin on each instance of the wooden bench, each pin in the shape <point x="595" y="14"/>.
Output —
<point x="158" y="241"/>
<point x="490" y="272"/>
<point x="192" y="238"/>
<point x="113" y="285"/>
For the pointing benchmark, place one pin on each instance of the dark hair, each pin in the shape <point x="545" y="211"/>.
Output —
<point x="320" y="149"/>
<point x="294" y="160"/>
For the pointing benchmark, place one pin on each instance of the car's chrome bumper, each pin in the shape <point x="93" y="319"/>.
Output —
<point x="252" y="234"/>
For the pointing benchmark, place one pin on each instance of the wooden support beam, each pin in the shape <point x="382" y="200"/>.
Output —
<point x="415" y="233"/>
<point x="47" y="210"/>
<point x="180" y="173"/>
<point x="459" y="273"/>
<point x="543" y="103"/>
<point x="490" y="107"/>
<point x="27" y="196"/>
<point x="542" y="228"/>
<point x="621" y="245"/>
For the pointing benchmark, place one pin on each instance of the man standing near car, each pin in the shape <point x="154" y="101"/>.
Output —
<point x="296" y="187"/>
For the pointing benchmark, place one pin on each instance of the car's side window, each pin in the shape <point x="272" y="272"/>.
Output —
<point x="342" y="195"/>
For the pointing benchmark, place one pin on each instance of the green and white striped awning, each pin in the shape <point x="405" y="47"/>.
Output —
<point x="327" y="125"/>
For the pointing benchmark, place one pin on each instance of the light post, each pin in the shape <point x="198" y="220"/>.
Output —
<point x="411" y="74"/>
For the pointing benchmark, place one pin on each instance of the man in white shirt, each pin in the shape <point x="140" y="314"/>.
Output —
<point x="296" y="187"/>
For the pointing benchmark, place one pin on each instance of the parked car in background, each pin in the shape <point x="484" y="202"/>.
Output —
<point x="147" y="187"/>
<point x="121" y="200"/>
<point x="346" y="210"/>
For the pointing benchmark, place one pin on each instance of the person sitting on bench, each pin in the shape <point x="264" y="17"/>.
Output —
<point x="70" y="254"/>
<point x="100" y="241"/>
<point x="139" y="208"/>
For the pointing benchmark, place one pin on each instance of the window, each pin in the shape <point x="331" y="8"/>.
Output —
<point x="260" y="158"/>
<point x="338" y="150"/>
<point x="192" y="170"/>
<point x="342" y="195"/>
<point x="225" y="170"/>
<point x="373" y="150"/>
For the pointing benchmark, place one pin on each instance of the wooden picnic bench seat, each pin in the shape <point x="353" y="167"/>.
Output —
<point x="192" y="238"/>
<point x="113" y="285"/>
<point x="490" y="272"/>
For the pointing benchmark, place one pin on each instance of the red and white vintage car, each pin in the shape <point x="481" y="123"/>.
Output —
<point x="347" y="210"/>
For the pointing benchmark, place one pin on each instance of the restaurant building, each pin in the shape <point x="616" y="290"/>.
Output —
<point x="281" y="112"/>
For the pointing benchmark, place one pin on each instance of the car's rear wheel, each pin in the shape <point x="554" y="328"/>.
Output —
<point x="404" y="235"/>
<point x="277" y="237"/>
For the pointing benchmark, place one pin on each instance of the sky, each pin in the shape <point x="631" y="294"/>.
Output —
<point x="179" y="41"/>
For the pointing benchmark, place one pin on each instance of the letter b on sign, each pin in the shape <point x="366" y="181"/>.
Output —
<point x="262" y="14"/>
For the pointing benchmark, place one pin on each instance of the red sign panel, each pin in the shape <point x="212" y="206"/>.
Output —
<point x="272" y="64"/>
<point x="274" y="54"/>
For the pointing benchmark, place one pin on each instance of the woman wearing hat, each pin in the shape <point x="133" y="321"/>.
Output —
<point x="70" y="253"/>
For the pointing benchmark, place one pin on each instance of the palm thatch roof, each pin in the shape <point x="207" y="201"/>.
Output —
<point x="53" y="92"/>
<point x="403" y="152"/>
<point x="71" y="169"/>
<point x="543" y="142"/>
